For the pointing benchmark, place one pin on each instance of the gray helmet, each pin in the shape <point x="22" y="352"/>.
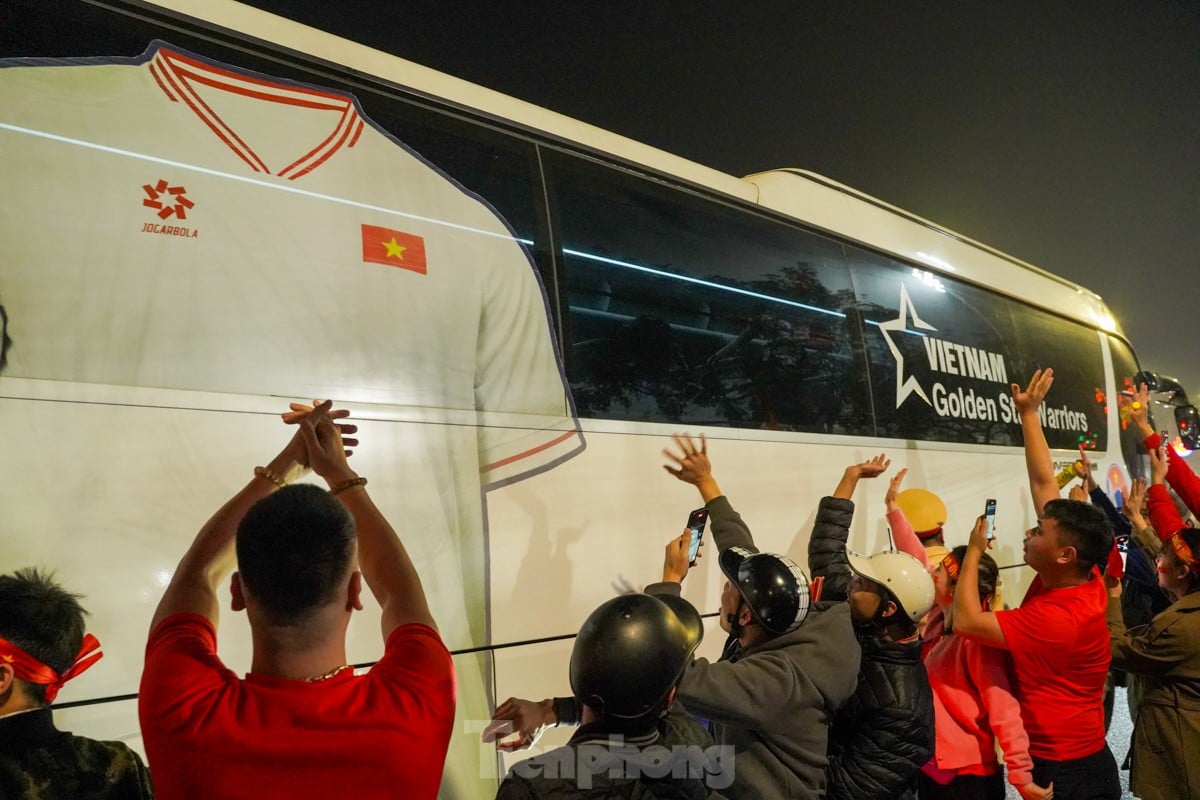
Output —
<point x="774" y="587"/>
<point x="631" y="651"/>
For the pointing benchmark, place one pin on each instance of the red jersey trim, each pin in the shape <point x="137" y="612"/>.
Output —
<point x="175" y="73"/>
<point x="532" y="451"/>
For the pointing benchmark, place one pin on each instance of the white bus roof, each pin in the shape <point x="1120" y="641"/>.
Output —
<point x="796" y="193"/>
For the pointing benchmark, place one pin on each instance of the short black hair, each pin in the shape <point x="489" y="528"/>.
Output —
<point x="989" y="573"/>
<point x="43" y="619"/>
<point x="294" y="548"/>
<point x="1084" y="527"/>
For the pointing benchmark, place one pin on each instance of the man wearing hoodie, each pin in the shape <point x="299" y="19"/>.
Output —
<point x="787" y="667"/>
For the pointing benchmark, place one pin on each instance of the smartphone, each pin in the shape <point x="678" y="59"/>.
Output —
<point x="695" y="523"/>
<point x="989" y="511"/>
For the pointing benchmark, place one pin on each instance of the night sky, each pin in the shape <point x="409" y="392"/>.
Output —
<point x="1066" y="134"/>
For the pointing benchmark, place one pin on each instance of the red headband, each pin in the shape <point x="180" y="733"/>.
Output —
<point x="950" y="564"/>
<point x="30" y="670"/>
<point x="1183" y="552"/>
<point x="923" y="535"/>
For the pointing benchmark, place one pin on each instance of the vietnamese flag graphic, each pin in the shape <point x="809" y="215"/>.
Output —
<point x="393" y="248"/>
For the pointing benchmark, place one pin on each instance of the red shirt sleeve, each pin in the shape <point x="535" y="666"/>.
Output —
<point x="1164" y="516"/>
<point x="1036" y="626"/>
<point x="181" y="668"/>
<point x="905" y="538"/>
<point x="1180" y="477"/>
<point x="416" y="659"/>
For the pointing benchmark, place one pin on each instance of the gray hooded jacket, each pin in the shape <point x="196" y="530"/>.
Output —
<point x="773" y="702"/>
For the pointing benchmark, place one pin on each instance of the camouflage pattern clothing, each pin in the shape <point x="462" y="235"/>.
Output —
<point x="40" y="762"/>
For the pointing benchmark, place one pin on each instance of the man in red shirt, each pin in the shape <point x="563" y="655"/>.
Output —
<point x="1058" y="636"/>
<point x="301" y="724"/>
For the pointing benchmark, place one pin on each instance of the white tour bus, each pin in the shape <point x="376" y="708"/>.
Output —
<point x="210" y="216"/>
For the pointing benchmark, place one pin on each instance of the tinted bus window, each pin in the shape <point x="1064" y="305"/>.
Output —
<point x="1074" y="412"/>
<point x="689" y="311"/>
<point x="1125" y="367"/>
<point x="943" y="355"/>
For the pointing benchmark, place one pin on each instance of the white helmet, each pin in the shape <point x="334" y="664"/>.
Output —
<point x="902" y="575"/>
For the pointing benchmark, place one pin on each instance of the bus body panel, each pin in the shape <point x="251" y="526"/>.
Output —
<point x="521" y="514"/>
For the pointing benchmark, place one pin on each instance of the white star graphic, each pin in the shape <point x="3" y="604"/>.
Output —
<point x="904" y="387"/>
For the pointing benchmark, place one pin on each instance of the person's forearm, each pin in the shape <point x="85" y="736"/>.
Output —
<point x="708" y="488"/>
<point x="1121" y="526"/>
<point x="1183" y="480"/>
<point x="905" y="538"/>
<point x="845" y="487"/>
<point x="386" y="567"/>
<point x="211" y="555"/>
<point x="1042" y="484"/>
<point x="1164" y="517"/>
<point x="967" y="606"/>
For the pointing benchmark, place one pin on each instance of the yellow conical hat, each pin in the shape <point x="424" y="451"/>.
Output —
<point x="924" y="509"/>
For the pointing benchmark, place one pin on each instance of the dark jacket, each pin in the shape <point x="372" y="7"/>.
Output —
<point x="39" y="761"/>
<point x="676" y="761"/>
<point x="772" y="702"/>
<point x="884" y="734"/>
<point x="1166" y="734"/>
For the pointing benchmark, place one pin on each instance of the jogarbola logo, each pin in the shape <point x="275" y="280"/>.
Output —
<point x="963" y="363"/>
<point x="168" y="201"/>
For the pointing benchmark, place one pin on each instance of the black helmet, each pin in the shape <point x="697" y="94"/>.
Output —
<point x="772" y="585"/>
<point x="631" y="651"/>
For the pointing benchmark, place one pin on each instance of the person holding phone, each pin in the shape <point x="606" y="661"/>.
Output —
<point x="786" y="665"/>
<point x="1057" y="638"/>
<point x="790" y="661"/>
<point x="1166" y="733"/>
<point x="974" y="703"/>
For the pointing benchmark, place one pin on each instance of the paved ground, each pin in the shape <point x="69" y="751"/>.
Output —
<point x="1118" y="741"/>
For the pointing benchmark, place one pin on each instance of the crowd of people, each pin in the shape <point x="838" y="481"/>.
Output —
<point x="892" y="675"/>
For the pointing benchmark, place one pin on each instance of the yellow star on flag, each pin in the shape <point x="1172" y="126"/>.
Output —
<point x="394" y="248"/>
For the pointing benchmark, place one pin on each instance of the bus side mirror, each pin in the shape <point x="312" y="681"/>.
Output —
<point x="1147" y="377"/>
<point x="1187" y="420"/>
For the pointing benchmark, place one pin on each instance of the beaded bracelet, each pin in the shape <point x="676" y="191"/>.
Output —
<point x="263" y="472"/>
<point x="349" y="483"/>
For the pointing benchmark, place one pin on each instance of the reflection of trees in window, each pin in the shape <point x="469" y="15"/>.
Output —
<point x="706" y="357"/>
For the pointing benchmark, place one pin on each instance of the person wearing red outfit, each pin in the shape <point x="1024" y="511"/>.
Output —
<point x="301" y="724"/>
<point x="1057" y="638"/>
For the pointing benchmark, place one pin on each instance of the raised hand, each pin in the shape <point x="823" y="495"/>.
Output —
<point x="1158" y="463"/>
<point x="675" y="561"/>
<point x="301" y="410"/>
<point x="874" y="467"/>
<point x="889" y="499"/>
<point x="1031" y="397"/>
<point x="1135" y="500"/>
<point x="1077" y="492"/>
<point x="979" y="539"/>
<point x="524" y="719"/>
<point x="1083" y="469"/>
<point x="326" y="448"/>
<point x="1139" y="410"/>
<point x="692" y="461"/>
<point x="867" y="469"/>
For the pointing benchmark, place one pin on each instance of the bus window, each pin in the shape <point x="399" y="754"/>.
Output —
<point x="1075" y="412"/>
<point x="943" y="355"/>
<point x="939" y="353"/>
<point x="688" y="311"/>
<point x="1125" y="367"/>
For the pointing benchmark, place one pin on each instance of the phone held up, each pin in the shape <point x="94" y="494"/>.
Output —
<point x="695" y="524"/>
<point x="989" y="512"/>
